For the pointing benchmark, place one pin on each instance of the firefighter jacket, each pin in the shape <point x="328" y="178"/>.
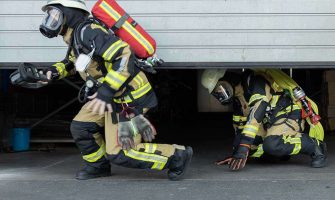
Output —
<point x="257" y="106"/>
<point x="112" y="64"/>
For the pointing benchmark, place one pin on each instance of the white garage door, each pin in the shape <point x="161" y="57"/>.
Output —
<point x="194" y="31"/>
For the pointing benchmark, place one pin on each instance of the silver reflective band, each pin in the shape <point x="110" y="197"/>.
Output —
<point x="53" y="18"/>
<point x="226" y="96"/>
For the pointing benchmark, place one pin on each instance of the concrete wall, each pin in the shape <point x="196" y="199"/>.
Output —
<point x="194" y="30"/>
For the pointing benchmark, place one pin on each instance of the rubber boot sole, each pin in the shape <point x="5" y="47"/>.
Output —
<point x="92" y="176"/>
<point x="176" y="177"/>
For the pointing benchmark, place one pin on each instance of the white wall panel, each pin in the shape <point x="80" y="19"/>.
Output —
<point x="194" y="30"/>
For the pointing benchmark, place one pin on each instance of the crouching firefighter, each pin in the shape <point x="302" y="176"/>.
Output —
<point x="119" y="93"/>
<point x="268" y="119"/>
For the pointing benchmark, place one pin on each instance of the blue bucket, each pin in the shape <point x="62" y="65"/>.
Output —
<point x="20" y="139"/>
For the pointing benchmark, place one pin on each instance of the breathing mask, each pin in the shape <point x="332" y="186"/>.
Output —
<point x="52" y="22"/>
<point x="223" y="92"/>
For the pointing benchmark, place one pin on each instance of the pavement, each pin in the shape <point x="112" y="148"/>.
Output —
<point x="50" y="175"/>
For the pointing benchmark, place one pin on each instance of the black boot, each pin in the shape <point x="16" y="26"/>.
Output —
<point x="89" y="172"/>
<point x="319" y="156"/>
<point x="179" y="163"/>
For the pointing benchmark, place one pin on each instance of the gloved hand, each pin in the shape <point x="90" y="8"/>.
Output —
<point x="101" y="100"/>
<point x="144" y="127"/>
<point x="126" y="134"/>
<point x="239" y="158"/>
<point x="50" y="73"/>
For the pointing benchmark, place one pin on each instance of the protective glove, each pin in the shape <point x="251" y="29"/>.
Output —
<point x="239" y="158"/>
<point x="144" y="127"/>
<point x="102" y="100"/>
<point x="126" y="134"/>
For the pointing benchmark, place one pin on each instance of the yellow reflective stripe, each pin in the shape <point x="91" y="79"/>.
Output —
<point x="61" y="69"/>
<point x="250" y="127"/>
<point x="158" y="166"/>
<point x="138" y="36"/>
<point x="274" y="100"/>
<point x="111" y="12"/>
<point x="288" y="109"/>
<point x="140" y="79"/>
<point x="296" y="141"/>
<point x="296" y="150"/>
<point x="154" y="148"/>
<point x="136" y="94"/>
<point x="141" y="91"/>
<point x="128" y="27"/>
<point x="109" y="66"/>
<point x="250" y="130"/>
<point x="290" y="140"/>
<point x="138" y="82"/>
<point x="109" y="53"/>
<point x="126" y="99"/>
<point x="256" y="97"/>
<point x="96" y="26"/>
<point x="150" y="148"/>
<point x="259" y="152"/>
<point x="93" y="157"/>
<point x="146" y="156"/>
<point x="237" y="118"/>
<point x="249" y="134"/>
<point x="115" y="79"/>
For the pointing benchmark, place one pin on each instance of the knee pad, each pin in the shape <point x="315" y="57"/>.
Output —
<point x="274" y="145"/>
<point x="85" y="130"/>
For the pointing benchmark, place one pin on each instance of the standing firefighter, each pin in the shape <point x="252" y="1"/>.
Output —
<point x="267" y="120"/>
<point x="119" y="94"/>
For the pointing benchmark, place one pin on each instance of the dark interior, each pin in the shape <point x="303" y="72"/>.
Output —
<point x="176" y="116"/>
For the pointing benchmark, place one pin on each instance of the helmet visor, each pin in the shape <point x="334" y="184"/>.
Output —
<point x="223" y="92"/>
<point x="53" y="18"/>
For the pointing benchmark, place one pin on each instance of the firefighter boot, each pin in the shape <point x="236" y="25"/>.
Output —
<point x="319" y="156"/>
<point x="179" y="163"/>
<point x="89" y="172"/>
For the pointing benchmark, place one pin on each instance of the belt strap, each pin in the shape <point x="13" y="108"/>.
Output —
<point x="120" y="22"/>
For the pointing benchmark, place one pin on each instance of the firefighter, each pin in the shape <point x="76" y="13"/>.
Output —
<point x="117" y="105"/>
<point x="266" y="123"/>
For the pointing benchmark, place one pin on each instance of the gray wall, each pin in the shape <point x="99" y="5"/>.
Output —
<point x="194" y="30"/>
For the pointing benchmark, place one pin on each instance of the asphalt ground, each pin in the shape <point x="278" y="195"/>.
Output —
<point x="42" y="175"/>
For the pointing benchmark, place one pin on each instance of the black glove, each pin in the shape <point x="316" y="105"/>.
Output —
<point x="105" y="93"/>
<point x="239" y="158"/>
<point x="54" y="73"/>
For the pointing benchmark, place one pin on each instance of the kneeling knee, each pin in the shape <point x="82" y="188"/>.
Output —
<point x="117" y="159"/>
<point x="273" y="145"/>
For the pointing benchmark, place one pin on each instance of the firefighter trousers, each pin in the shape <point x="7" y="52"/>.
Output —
<point x="283" y="138"/>
<point x="97" y="139"/>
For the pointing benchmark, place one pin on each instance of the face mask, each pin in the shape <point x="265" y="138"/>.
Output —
<point x="223" y="92"/>
<point x="52" y="22"/>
